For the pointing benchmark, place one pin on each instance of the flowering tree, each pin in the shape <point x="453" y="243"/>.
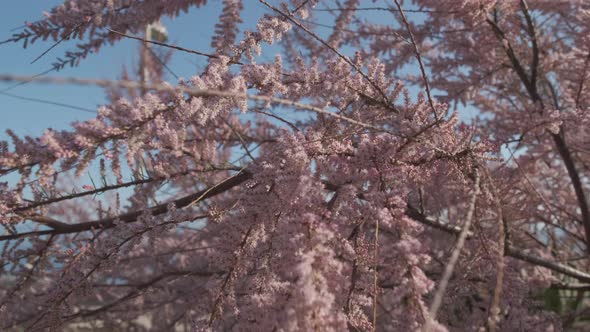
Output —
<point x="312" y="192"/>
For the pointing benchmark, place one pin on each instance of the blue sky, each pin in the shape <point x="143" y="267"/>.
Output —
<point x="192" y="30"/>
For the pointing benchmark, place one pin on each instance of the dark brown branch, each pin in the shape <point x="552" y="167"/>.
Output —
<point x="533" y="35"/>
<point x="558" y="139"/>
<point x="182" y="202"/>
<point x="557" y="267"/>
<point x="516" y="65"/>
<point x="108" y="188"/>
<point x="415" y="214"/>
<point x="178" y="48"/>
<point x="47" y="221"/>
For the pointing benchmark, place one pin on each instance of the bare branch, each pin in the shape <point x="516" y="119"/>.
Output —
<point x="438" y="296"/>
<point x="174" y="47"/>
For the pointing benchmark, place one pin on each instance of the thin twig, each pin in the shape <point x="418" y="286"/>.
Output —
<point x="162" y="63"/>
<point x="385" y="9"/>
<point x="47" y="102"/>
<point x="215" y="311"/>
<point x="67" y="36"/>
<point x="178" y="48"/>
<point x="29" y="80"/>
<point x="340" y="55"/>
<point x="287" y="122"/>
<point x="97" y="191"/>
<point x="242" y="141"/>
<point x="418" y="57"/>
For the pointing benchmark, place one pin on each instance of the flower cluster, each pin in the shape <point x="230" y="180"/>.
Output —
<point x="318" y="190"/>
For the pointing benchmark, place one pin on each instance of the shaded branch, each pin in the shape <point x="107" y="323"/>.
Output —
<point x="558" y="139"/>
<point x="174" y="47"/>
<point x="182" y="202"/>
<point x="510" y="249"/>
<point x="533" y="35"/>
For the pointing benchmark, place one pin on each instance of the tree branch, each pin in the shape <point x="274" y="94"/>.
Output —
<point x="340" y="55"/>
<point x="558" y="139"/>
<point x="191" y="199"/>
<point x="450" y="266"/>
<point x="510" y="250"/>
<point x="418" y="57"/>
<point x="533" y="35"/>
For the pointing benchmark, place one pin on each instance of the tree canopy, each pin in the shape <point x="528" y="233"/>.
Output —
<point x="332" y="181"/>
